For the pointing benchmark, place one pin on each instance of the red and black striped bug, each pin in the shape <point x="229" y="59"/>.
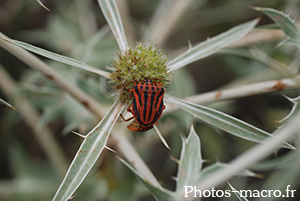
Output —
<point x="147" y="105"/>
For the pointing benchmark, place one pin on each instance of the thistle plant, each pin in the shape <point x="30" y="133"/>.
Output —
<point x="143" y="61"/>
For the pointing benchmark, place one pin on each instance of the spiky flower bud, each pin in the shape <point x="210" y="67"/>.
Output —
<point x="136" y="65"/>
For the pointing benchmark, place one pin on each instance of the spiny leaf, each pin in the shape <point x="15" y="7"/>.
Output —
<point x="285" y="23"/>
<point x="190" y="162"/>
<point x="211" y="45"/>
<point x="57" y="57"/>
<point x="7" y="104"/>
<point x="223" y="121"/>
<point x="112" y="16"/>
<point x="88" y="153"/>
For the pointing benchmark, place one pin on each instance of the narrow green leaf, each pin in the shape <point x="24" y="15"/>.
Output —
<point x="88" y="153"/>
<point x="211" y="45"/>
<point x="190" y="162"/>
<point x="217" y="166"/>
<point x="237" y="193"/>
<point x="285" y="23"/>
<point x="112" y="16"/>
<point x="57" y="57"/>
<point x="158" y="192"/>
<point x="7" y="104"/>
<point x="223" y="121"/>
<point x="43" y="5"/>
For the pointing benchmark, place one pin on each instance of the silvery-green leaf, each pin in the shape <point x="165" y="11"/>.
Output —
<point x="158" y="192"/>
<point x="285" y="23"/>
<point x="6" y="103"/>
<point x="211" y="45"/>
<point x="237" y="193"/>
<point x="190" y="162"/>
<point x="223" y="121"/>
<point x="112" y="16"/>
<point x="57" y="57"/>
<point x="217" y="166"/>
<point x="88" y="153"/>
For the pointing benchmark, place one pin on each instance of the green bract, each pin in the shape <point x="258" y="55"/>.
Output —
<point x="135" y="65"/>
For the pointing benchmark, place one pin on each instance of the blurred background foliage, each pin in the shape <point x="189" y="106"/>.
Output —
<point x="78" y="29"/>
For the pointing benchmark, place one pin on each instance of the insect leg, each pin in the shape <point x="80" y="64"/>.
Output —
<point x="129" y="110"/>
<point x="126" y="119"/>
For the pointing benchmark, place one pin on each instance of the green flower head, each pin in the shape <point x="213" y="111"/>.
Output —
<point x="135" y="65"/>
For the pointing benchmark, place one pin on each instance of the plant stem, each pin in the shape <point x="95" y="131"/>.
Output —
<point x="242" y="91"/>
<point x="44" y="136"/>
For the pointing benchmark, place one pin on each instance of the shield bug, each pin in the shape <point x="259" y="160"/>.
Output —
<point x="147" y="105"/>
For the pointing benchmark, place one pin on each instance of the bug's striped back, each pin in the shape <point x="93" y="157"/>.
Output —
<point x="147" y="103"/>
